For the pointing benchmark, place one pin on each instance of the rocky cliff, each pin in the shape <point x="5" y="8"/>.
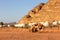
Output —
<point x="43" y="12"/>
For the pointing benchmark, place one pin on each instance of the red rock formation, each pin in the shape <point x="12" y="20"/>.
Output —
<point x="43" y="12"/>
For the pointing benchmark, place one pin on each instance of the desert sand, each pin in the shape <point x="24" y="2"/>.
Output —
<point x="24" y="34"/>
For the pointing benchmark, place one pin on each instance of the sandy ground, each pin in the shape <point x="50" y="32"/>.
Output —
<point x="24" y="34"/>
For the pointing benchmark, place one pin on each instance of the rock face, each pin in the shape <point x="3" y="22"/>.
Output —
<point x="43" y="12"/>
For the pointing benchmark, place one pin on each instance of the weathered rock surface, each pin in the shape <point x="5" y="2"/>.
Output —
<point x="43" y="12"/>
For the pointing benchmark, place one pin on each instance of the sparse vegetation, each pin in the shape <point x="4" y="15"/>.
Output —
<point x="1" y="23"/>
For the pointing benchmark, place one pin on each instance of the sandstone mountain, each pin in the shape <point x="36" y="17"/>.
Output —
<point x="43" y="12"/>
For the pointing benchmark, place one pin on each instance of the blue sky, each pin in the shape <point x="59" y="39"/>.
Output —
<point x="13" y="10"/>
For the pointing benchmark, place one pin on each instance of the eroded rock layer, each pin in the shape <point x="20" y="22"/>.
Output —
<point x="43" y="12"/>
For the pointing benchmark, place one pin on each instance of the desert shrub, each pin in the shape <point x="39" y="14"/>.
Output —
<point x="12" y="26"/>
<point x="1" y="23"/>
<point x="27" y="26"/>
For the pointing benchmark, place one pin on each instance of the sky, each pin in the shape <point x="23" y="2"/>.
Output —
<point x="14" y="10"/>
